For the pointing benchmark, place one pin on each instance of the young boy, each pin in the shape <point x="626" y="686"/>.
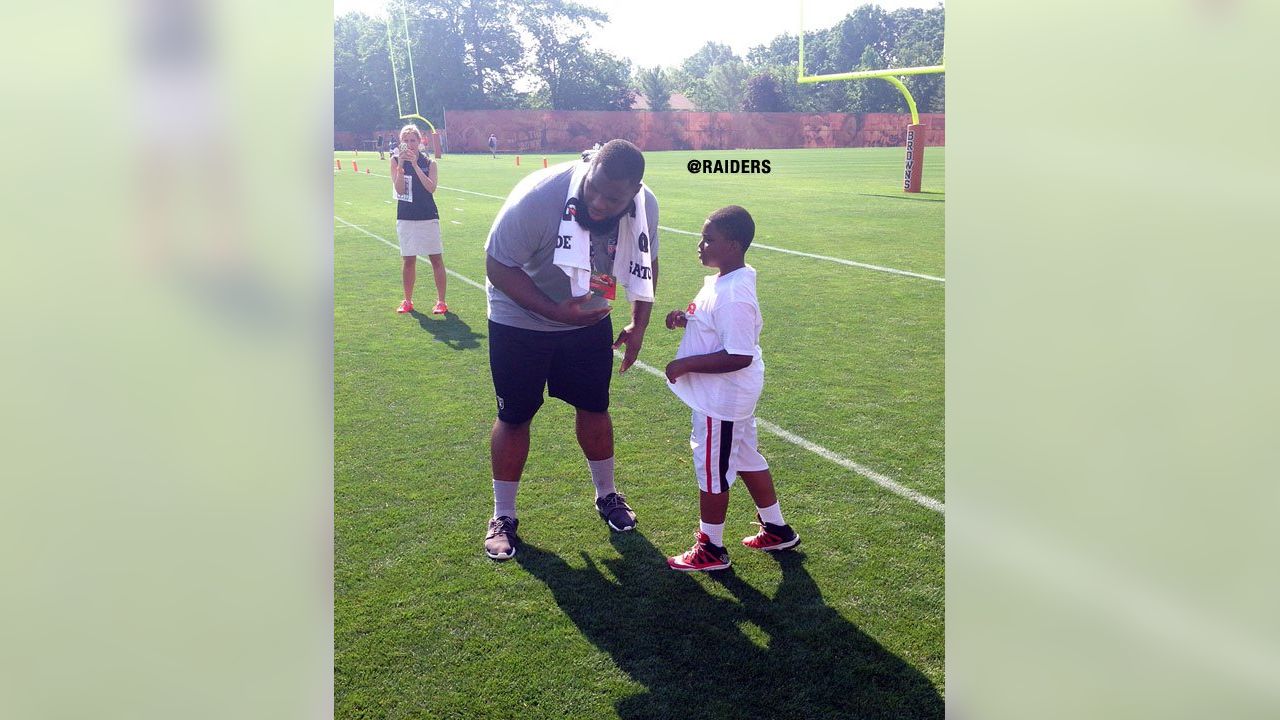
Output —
<point x="719" y="373"/>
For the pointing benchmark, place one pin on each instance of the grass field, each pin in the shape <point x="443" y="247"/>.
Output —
<point x="588" y="624"/>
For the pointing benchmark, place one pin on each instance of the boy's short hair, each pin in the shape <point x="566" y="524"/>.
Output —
<point x="736" y="223"/>
<point x="621" y="160"/>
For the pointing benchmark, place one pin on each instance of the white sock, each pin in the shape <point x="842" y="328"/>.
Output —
<point x="504" y="498"/>
<point x="714" y="532"/>
<point x="602" y="476"/>
<point x="771" y="514"/>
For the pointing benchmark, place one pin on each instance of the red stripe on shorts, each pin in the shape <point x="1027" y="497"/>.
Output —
<point x="708" y="444"/>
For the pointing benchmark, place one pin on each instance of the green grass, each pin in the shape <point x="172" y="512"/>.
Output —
<point x="585" y="624"/>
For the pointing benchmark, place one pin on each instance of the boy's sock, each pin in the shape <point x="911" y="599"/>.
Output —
<point x="602" y="476"/>
<point x="504" y="498"/>
<point x="771" y="514"/>
<point x="714" y="532"/>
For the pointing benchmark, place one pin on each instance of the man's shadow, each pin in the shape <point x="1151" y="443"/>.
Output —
<point x="700" y="655"/>
<point x="450" y="330"/>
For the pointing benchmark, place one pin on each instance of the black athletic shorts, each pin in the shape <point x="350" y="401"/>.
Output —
<point x="574" y="365"/>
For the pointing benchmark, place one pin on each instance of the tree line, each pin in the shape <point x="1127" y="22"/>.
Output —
<point x="513" y="54"/>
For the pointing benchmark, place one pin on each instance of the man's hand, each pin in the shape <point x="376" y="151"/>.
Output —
<point x="571" y="312"/>
<point x="633" y="337"/>
<point x="676" y="318"/>
<point x="674" y="370"/>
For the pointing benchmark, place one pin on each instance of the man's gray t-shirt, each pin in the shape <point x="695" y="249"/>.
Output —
<point x="524" y="235"/>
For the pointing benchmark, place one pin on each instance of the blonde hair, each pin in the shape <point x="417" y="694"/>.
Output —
<point x="410" y="128"/>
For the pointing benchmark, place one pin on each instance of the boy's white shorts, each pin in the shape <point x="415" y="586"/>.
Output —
<point x="722" y="449"/>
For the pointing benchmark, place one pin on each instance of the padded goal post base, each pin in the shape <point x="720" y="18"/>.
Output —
<point x="915" y="159"/>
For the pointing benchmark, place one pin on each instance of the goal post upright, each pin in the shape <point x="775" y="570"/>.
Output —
<point x="915" y="131"/>
<point x="413" y="79"/>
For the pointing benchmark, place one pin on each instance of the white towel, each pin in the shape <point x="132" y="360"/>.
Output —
<point x="632" y="264"/>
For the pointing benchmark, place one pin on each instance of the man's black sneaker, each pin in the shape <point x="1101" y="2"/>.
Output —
<point x="615" y="511"/>
<point x="500" y="543"/>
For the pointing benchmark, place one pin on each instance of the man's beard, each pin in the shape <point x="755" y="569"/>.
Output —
<point x="599" y="227"/>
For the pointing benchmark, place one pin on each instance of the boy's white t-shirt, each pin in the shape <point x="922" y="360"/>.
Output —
<point x="725" y="315"/>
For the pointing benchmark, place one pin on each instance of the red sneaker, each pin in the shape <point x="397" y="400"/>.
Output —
<point x="772" y="538"/>
<point x="405" y="307"/>
<point x="702" y="556"/>
<point x="440" y="308"/>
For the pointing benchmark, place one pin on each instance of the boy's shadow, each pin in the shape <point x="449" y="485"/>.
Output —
<point x="704" y="656"/>
<point x="450" y="330"/>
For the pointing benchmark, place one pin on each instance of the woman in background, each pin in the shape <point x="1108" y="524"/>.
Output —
<point x="414" y="177"/>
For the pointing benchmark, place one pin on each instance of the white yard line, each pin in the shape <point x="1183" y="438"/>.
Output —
<point x="880" y="479"/>
<point x="828" y="258"/>
<point x="471" y="192"/>
<point x="463" y="278"/>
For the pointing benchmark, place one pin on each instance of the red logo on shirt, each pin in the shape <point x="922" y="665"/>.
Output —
<point x="691" y="309"/>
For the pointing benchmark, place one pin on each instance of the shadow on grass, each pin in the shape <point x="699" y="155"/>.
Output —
<point x="701" y="655"/>
<point x="450" y="330"/>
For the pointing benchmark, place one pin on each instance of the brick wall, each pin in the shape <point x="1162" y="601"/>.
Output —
<point x="570" y="131"/>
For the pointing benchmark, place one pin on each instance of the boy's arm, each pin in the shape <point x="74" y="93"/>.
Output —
<point x="714" y="363"/>
<point x="735" y="324"/>
<point x="676" y="318"/>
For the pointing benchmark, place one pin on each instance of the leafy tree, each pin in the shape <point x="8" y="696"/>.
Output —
<point x="726" y="87"/>
<point x="700" y="64"/>
<point x="764" y="94"/>
<point x="918" y="40"/>
<point x="904" y="38"/>
<point x="474" y="54"/>
<point x="586" y="79"/>
<point x="866" y="27"/>
<point x="466" y="53"/>
<point x="782" y="50"/>
<point x="363" y="100"/>
<point x="874" y="95"/>
<point x="656" y="86"/>
<point x="573" y="77"/>
<point x="695" y="77"/>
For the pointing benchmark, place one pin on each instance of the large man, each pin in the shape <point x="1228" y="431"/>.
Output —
<point x="564" y="239"/>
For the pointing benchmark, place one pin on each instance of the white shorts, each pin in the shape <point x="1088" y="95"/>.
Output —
<point x="419" y="237"/>
<point x="722" y="449"/>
